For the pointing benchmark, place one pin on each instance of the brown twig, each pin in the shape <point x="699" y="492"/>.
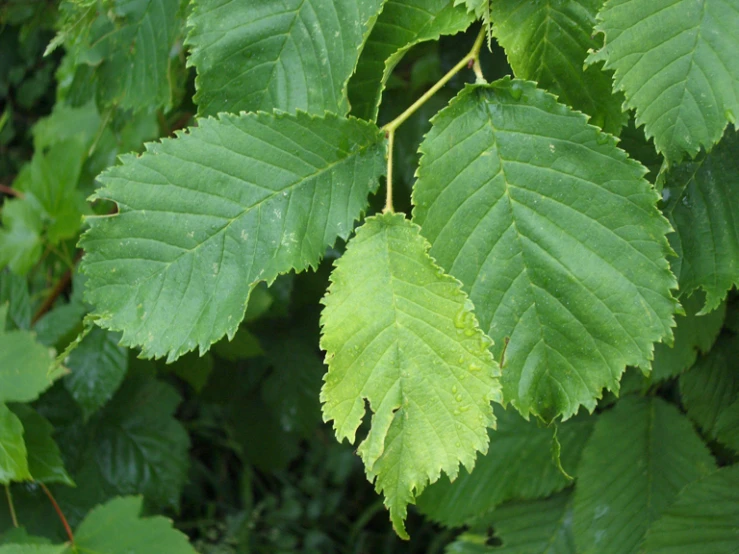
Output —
<point x="59" y="512"/>
<point x="10" y="191"/>
<point x="58" y="289"/>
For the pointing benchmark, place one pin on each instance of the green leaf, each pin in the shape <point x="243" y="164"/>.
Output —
<point x="676" y="62"/>
<point x="547" y="42"/>
<point x="20" y="235"/>
<point x="33" y="549"/>
<point x="134" y="445"/>
<point x="97" y="368"/>
<point x="401" y="25"/>
<point x="44" y="460"/>
<point x="528" y="527"/>
<point x="13" y="455"/>
<point x="401" y="335"/>
<point x="703" y="207"/>
<point x="117" y="528"/>
<point x="262" y="55"/>
<point x="518" y="465"/>
<point x="712" y="385"/>
<point x="556" y="237"/>
<point x="14" y="292"/>
<point x="640" y="455"/>
<point x="693" y="334"/>
<point x="712" y="501"/>
<point x="124" y="50"/>
<point x="727" y="426"/>
<point x="482" y="10"/>
<point x="205" y="217"/>
<point x="192" y="369"/>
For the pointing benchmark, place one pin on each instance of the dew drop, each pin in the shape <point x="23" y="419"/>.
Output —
<point x="458" y="398"/>
<point x="456" y="412"/>
<point x="461" y="360"/>
<point x="601" y="138"/>
<point x="460" y="319"/>
<point x="475" y="367"/>
<point x="516" y="92"/>
<point x="469" y="332"/>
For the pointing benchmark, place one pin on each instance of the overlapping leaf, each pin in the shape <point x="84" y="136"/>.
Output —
<point x="204" y="217"/>
<point x="555" y="235"/>
<point x="401" y="25"/>
<point x="714" y="502"/>
<point x="547" y="42"/>
<point x="518" y="465"/>
<point x="703" y="206"/>
<point x="261" y="55"/>
<point x="676" y="62"/>
<point x="400" y="335"/>
<point x="45" y="462"/>
<point x="13" y="454"/>
<point x="640" y="455"/>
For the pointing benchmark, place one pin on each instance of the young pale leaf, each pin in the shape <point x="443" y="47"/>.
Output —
<point x="401" y="25"/>
<point x="401" y="335"/>
<point x="45" y="463"/>
<point x="556" y="237"/>
<point x="712" y="385"/>
<point x="676" y="62"/>
<point x="13" y="454"/>
<point x="702" y="203"/>
<point x="547" y="42"/>
<point x="262" y="55"/>
<point x="714" y="503"/>
<point x="640" y="455"/>
<point x="117" y="528"/>
<point x="205" y="217"/>
<point x="518" y="465"/>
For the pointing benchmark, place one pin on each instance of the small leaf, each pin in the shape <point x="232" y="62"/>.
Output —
<point x="401" y="335"/>
<point x="702" y="203"/>
<point x="205" y="217"/>
<point x="117" y="528"/>
<point x="640" y="455"/>
<point x="714" y="502"/>
<point x="13" y="455"/>
<point x="14" y="292"/>
<point x="44" y="460"/>
<point x="556" y="237"/>
<point x="517" y="466"/>
<point x="255" y="55"/>
<point x="401" y="25"/>
<point x="547" y="42"/>
<point x="676" y="62"/>
<point x="20" y="235"/>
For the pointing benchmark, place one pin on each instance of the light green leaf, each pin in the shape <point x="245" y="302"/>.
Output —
<point x="676" y="62"/>
<point x="547" y="42"/>
<point x="401" y="25"/>
<point x="702" y="203"/>
<point x="712" y="501"/>
<point x="640" y="455"/>
<point x="482" y="10"/>
<point x="262" y="55"/>
<point x="401" y="335"/>
<point x="117" y="528"/>
<point x="13" y="454"/>
<point x="518" y="465"/>
<point x="712" y="385"/>
<point x="33" y="549"/>
<point x="556" y="237"/>
<point x="125" y="50"/>
<point x="44" y="460"/>
<point x="528" y="527"/>
<point x="97" y="368"/>
<point x="205" y="217"/>
<point x="693" y="334"/>
<point x="20" y="235"/>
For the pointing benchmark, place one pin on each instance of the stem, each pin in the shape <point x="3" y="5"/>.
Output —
<point x="471" y="60"/>
<point x="10" y="191"/>
<point x="11" y="506"/>
<point x="58" y="289"/>
<point x="59" y="512"/>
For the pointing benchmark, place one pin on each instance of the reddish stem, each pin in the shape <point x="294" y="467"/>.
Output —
<point x="10" y="191"/>
<point x="59" y="512"/>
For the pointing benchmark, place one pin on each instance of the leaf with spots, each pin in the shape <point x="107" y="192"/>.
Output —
<point x="400" y="335"/>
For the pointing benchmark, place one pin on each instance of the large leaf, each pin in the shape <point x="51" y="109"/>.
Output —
<point x="640" y="455"/>
<point x="712" y="385"/>
<point x="98" y="366"/>
<point x="44" y="460"/>
<point x="518" y="465"/>
<point x="401" y="25"/>
<point x="676" y="62"/>
<point x="703" y="206"/>
<point x="712" y="501"/>
<point x="205" y="217"/>
<point x="528" y="527"/>
<point x="727" y="426"/>
<point x="401" y="335"/>
<point x="261" y="55"/>
<point x="547" y="42"/>
<point x="124" y="50"/>
<point x="117" y="528"/>
<point x="33" y="549"/>
<point x="13" y="455"/>
<point x="556" y="237"/>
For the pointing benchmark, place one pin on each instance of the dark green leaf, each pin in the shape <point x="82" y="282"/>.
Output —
<point x="13" y="456"/>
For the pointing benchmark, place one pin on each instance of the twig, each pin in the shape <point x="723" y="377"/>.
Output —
<point x="59" y="512"/>
<point x="58" y="289"/>
<point x="10" y="191"/>
<point x="11" y="507"/>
